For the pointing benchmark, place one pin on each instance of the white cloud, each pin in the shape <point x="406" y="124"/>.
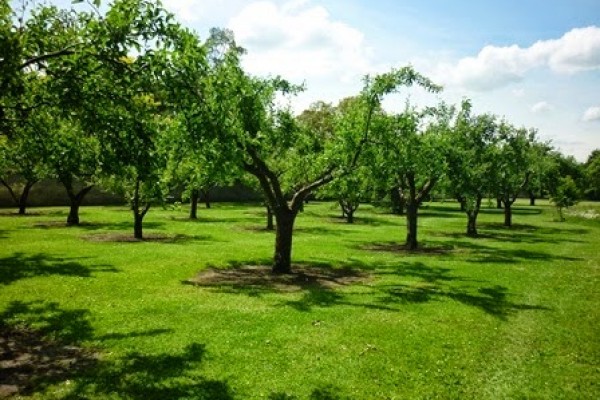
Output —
<point x="192" y="11"/>
<point x="591" y="114"/>
<point x="577" y="50"/>
<point x="299" y="41"/>
<point x="541" y="107"/>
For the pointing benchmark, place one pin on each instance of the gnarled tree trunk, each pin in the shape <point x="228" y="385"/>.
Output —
<point x="75" y="200"/>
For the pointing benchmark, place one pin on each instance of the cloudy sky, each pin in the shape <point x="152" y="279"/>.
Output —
<point x="535" y="62"/>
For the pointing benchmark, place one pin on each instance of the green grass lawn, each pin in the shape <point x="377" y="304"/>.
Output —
<point x="512" y="314"/>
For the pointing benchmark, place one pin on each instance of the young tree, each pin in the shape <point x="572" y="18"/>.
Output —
<point x="566" y="195"/>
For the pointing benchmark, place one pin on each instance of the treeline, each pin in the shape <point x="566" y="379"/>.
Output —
<point x="131" y="101"/>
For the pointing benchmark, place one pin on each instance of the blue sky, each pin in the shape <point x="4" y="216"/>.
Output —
<point x="534" y="62"/>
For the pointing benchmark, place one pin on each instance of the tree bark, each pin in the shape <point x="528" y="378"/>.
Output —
<point x="398" y="201"/>
<point x="507" y="214"/>
<point x="350" y="216"/>
<point x="499" y="203"/>
<point x="138" y="215"/>
<point x="412" y="210"/>
<point x="76" y="200"/>
<point x="531" y="199"/>
<point x="206" y="194"/>
<point x="282" y="260"/>
<point x="461" y="201"/>
<point x="24" y="196"/>
<point x="472" y="217"/>
<point x="270" y="225"/>
<point x="194" y="195"/>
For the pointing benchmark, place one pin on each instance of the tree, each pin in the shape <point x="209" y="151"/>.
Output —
<point x="31" y="40"/>
<point x="470" y="163"/>
<point x="512" y="160"/>
<point x="592" y="175"/>
<point x="119" y="97"/>
<point x="262" y="137"/>
<point x="411" y="155"/>
<point x="20" y="164"/>
<point x="71" y="157"/>
<point x="566" y="195"/>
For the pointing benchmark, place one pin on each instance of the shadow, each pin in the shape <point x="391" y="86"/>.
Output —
<point x="475" y="251"/>
<point x="20" y="266"/>
<point x="127" y="237"/>
<point x="150" y="377"/>
<point x="491" y="300"/>
<point x="119" y="336"/>
<point x="119" y="226"/>
<point x="328" y="392"/>
<point x="32" y="212"/>
<point x="39" y="344"/>
<point x="394" y="247"/>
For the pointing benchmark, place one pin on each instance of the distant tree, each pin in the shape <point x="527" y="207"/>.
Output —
<point x="512" y="160"/>
<point x="566" y="195"/>
<point x="410" y="154"/>
<point x="470" y="163"/>
<point x="592" y="175"/>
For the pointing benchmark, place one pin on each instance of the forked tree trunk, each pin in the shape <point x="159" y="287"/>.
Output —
<point x="531" y="199"/>
<point x="282" y="260"/>
<point x="76" y="199"/>
<point x="499" y="203"/>
<point x="194" y="195"/>
<point x="412" y="210"/>
<point x="461" y="201"/>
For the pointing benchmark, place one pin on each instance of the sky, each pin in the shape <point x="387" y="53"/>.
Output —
<point x="535" y="63"/>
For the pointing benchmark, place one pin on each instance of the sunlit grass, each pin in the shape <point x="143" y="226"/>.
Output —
<point x="512" y="314"/>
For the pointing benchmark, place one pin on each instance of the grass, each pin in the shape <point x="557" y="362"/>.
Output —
<point x="512" y="314"/>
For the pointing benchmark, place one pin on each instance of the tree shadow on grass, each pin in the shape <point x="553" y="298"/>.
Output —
<point x="20" y="266"/>
<point x="40" y="347"/>
<point x="416" y="283"/>
<point x="326" y="392"/>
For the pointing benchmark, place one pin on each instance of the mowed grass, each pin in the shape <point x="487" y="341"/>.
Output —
<point x="512" y="314"/>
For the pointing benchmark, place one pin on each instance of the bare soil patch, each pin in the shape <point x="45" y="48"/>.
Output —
<point x="303" y="277"/>
<point x="29" y="362"/>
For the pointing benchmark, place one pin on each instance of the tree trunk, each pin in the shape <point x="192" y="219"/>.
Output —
<point x="194" y="204"/>
<point x="270" y="225"/>
<point x="499" y="203"/>
<point x="137" y="225"/>
<point x="398" y="201"/>
<point x="507" y="214"/>
<point x="350" y="216"/>
<point x="531" y="199"/>
<point x="206" y="194"/>
<point x="461" y="202"/>
<point x="24" y="196"/>
<point x="412" y="210"/>
<point x="472" y="218"/>
<point x="76" y="200"/>
<point x="282" y="260"/>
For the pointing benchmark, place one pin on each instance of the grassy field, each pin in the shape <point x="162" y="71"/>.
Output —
<point x="512" y="314"/>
